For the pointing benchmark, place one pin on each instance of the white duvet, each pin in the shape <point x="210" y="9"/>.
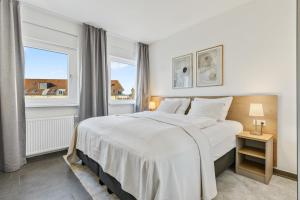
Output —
<point x="155" y="156"/>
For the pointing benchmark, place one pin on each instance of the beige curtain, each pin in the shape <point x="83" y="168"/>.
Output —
<point x="12" y="109"/>
<point x="94" y="82"/>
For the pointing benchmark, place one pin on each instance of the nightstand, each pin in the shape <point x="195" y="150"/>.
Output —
<point x="254" y="156"/>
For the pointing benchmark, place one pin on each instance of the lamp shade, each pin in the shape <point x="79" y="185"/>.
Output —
<point x="152" y="105"/>
<point x="256" y="110"/>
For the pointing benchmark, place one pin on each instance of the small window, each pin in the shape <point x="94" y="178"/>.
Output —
<point x="123" y="80"/>
<point x="46" y="73"/>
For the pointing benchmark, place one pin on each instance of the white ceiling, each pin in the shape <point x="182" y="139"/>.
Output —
<point x="140" y="20"/>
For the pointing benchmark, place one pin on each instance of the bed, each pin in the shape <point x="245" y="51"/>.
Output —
<point x="223" y="155"/>
<point x="161" y="163"/>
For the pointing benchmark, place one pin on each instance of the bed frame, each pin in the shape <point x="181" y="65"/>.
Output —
<point x="113" y="186"/>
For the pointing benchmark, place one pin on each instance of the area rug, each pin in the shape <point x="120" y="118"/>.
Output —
<point x="231" y="186"/>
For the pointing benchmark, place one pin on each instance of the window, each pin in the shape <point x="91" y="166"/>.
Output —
<point x="123" y="79"/>
<point x="50" y="74"/>
<point x="46" y="73"/>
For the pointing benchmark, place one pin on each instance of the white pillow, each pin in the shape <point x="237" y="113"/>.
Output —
<point x="207" y="109"/>
<point x="185" y="102"/>
<point x="168" y="106"/>
<point x="226" y="101"/>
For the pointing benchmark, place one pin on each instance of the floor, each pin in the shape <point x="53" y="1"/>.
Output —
<point x="42" y="179"/>
<point x="231" y="186"/>
<point x="51" y="178"/>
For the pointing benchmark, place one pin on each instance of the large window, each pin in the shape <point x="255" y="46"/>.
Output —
<point x="123" y="80"/>
<point x="50" y="74"/>
<point x="46" y="73"/>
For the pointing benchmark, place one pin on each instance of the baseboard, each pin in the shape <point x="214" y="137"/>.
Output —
<point x="47" y="152"/>
<point x="46" y="155"/>
<point x="285" y="174"/>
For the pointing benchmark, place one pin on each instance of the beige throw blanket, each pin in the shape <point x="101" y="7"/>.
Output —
<point x="71" y="155"/>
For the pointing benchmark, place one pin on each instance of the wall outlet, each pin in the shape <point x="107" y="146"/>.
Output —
<point x="259" y="122"/>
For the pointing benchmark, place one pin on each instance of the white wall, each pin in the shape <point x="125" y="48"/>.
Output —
<point x="120" y="108"/>
<point x="259" y="41"/>
<point x="118" y="46"/>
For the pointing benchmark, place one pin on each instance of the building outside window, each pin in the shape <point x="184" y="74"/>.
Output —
<point x="46" y="73"/>
<point x="123" y="80"/>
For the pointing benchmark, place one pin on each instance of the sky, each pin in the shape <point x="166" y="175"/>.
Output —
<point x="42" y="64"/>
<point x="126" y="74"/>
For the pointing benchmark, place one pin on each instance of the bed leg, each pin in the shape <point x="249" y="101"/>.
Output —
<point x="109" y="191"/>
<point x="101" y="182"/>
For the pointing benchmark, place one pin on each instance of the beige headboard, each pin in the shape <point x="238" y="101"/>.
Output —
<point x="239" y="111"/>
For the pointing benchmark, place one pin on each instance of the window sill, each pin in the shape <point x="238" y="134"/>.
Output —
<point x="37" y="105"/>
<point x="121" y="102"/>
<point x="50" y="105"/>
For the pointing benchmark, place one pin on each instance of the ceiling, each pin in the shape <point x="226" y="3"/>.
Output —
<point x="140" y="20"/>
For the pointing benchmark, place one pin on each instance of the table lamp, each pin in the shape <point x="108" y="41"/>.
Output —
<point x="152" y="105"/>
<point x="256" y="110"/>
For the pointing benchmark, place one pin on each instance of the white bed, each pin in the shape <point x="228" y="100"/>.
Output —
<point x="157" y="155"/>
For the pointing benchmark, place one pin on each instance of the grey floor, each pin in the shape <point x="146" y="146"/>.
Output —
<point x="230" y="185"/>
<point x="50" y="178"/>
<point x="43" y="178"/>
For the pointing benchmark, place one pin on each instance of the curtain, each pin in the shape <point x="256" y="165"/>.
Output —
<point x="94" y="82"/>
<point x="142" y="93"/>
<point x="12" y="106"/>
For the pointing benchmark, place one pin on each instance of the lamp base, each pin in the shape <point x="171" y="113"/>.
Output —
<point x="255" y="133"/>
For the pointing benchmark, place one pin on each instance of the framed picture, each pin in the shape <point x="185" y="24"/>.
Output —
<point x="209" y="67"/>
<point x="183" y="71"/>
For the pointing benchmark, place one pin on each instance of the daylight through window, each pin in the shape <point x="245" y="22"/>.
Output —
<point x="123" y="81"/>
<point x="46" y="73"/>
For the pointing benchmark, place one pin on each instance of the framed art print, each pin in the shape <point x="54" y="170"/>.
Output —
<point x="183" y="71"/>
<point x="209" y="70"/>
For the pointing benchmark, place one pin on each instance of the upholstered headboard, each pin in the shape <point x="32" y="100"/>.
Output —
<point x="239" y="111"/>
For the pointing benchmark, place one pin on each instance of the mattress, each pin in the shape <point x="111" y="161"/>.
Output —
<point x="222" y="137"/>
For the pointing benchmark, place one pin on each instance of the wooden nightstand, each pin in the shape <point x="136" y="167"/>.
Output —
<point x="254" y="156"/>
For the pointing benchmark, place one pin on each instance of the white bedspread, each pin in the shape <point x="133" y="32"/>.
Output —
<point x="155" y="156"/>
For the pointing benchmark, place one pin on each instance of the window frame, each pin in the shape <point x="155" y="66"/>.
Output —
<point x="124" y="61"/>
<point x="73" y="86"/>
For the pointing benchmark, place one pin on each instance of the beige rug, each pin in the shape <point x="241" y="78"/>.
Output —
<point x="231" y="186"/>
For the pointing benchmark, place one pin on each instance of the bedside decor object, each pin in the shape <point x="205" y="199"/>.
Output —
<point x="254" y="156"/>
<point x="210" y="67"/>
<point x="256" y="110"/>
<point x="183" y="71"/>
<point x="152" y="105"/>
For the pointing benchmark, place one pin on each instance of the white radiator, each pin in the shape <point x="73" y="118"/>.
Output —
<point x="45" y="135"/>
